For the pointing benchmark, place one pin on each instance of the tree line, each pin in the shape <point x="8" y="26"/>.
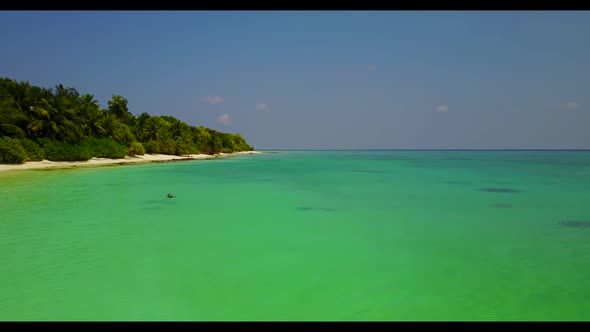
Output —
<point x="60" y="124"/>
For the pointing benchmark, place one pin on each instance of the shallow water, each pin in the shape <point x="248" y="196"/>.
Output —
<point x="348" y="235"/>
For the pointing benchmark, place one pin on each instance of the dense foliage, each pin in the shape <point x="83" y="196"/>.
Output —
<point x="62" y="125"/>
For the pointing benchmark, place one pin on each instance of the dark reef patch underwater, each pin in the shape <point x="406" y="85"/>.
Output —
<point x="314" y="208"/>
<point x="503" y="206"/>
<point x="500" y="190"/>
<point x="575" y="223"/>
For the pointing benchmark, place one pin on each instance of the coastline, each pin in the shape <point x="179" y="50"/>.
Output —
<point x="95" y="162"/>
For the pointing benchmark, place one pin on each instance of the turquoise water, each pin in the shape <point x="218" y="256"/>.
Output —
<point x="365" y="235"/>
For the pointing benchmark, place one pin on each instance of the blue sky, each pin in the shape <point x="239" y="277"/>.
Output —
<point x="326" y="80"/>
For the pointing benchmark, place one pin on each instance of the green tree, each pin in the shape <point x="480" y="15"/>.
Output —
<point x="55" y="122"/>
<point x="62" y="124"/>
<point x="118" y="107"/>
<point x="91" y="116"/>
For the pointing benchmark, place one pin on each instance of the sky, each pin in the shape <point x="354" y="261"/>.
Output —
<point x="326" y="80"/>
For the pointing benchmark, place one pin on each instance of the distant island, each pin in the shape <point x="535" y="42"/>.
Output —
<point x="61" y="125"/>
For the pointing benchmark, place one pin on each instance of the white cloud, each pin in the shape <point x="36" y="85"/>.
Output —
<point x="224" y="119"/>
<point x="571" y="104"/>
<point x="214" y="100"/>
<point x="262" y="107"/>
<point x="372" y="67"/>
<point x="442" y="108"/>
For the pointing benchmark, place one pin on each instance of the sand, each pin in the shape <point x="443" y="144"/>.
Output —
<point x="148" y="158"/>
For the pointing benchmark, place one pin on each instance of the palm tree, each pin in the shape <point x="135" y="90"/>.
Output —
<point x="63" y="114"/>
<point x="111" y="125"/>
<point x="22" y="96"/>
<point x="118" y="107"/>
<point x="61" y="91"/>
<point x="12" y="118"/>
<point x="9" y="119"/>
<point x="153" y="129"/>
<point x="54" y="121"/>
<point x="177" y="129"/>
<point x="141" y="119"/>
<point x="116" y="130"/>
<point x="87" y="101"/>
<point x="91" y="116"/>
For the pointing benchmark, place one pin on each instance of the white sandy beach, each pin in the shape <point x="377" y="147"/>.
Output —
<point x="147" y="158"/>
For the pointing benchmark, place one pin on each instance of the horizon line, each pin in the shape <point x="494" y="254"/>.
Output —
<point x="423" y="149"/>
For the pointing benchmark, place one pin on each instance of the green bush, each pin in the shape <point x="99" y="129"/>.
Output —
<point x="34" y="151"/>
<point x="136" y="148"/>
<point x="184" y="147"/>
<point x="11" y="151"/>
<point x="125" y="135"/>
<point x="105" y="148"/>
<point x="151" y="147"/>
<point x="167" y="146"/>
<point x="226" y="150"/>
<point x="205" y="149"/>
<point x="59" y="151"/>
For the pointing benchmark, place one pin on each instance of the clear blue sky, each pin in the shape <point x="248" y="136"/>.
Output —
<point x="313" y="80"/>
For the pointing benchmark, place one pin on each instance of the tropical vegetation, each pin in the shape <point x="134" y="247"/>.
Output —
<point x="60" y="124"/>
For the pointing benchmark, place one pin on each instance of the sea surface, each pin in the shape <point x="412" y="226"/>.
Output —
<point x="302" y="235"/>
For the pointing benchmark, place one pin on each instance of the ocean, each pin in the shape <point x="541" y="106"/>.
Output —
<point x="302" y="235"/>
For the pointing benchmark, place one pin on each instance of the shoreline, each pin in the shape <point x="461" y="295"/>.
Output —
<point x="96" y="162"/>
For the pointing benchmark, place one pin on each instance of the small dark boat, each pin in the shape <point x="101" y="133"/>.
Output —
<point x="170" y="196"/>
